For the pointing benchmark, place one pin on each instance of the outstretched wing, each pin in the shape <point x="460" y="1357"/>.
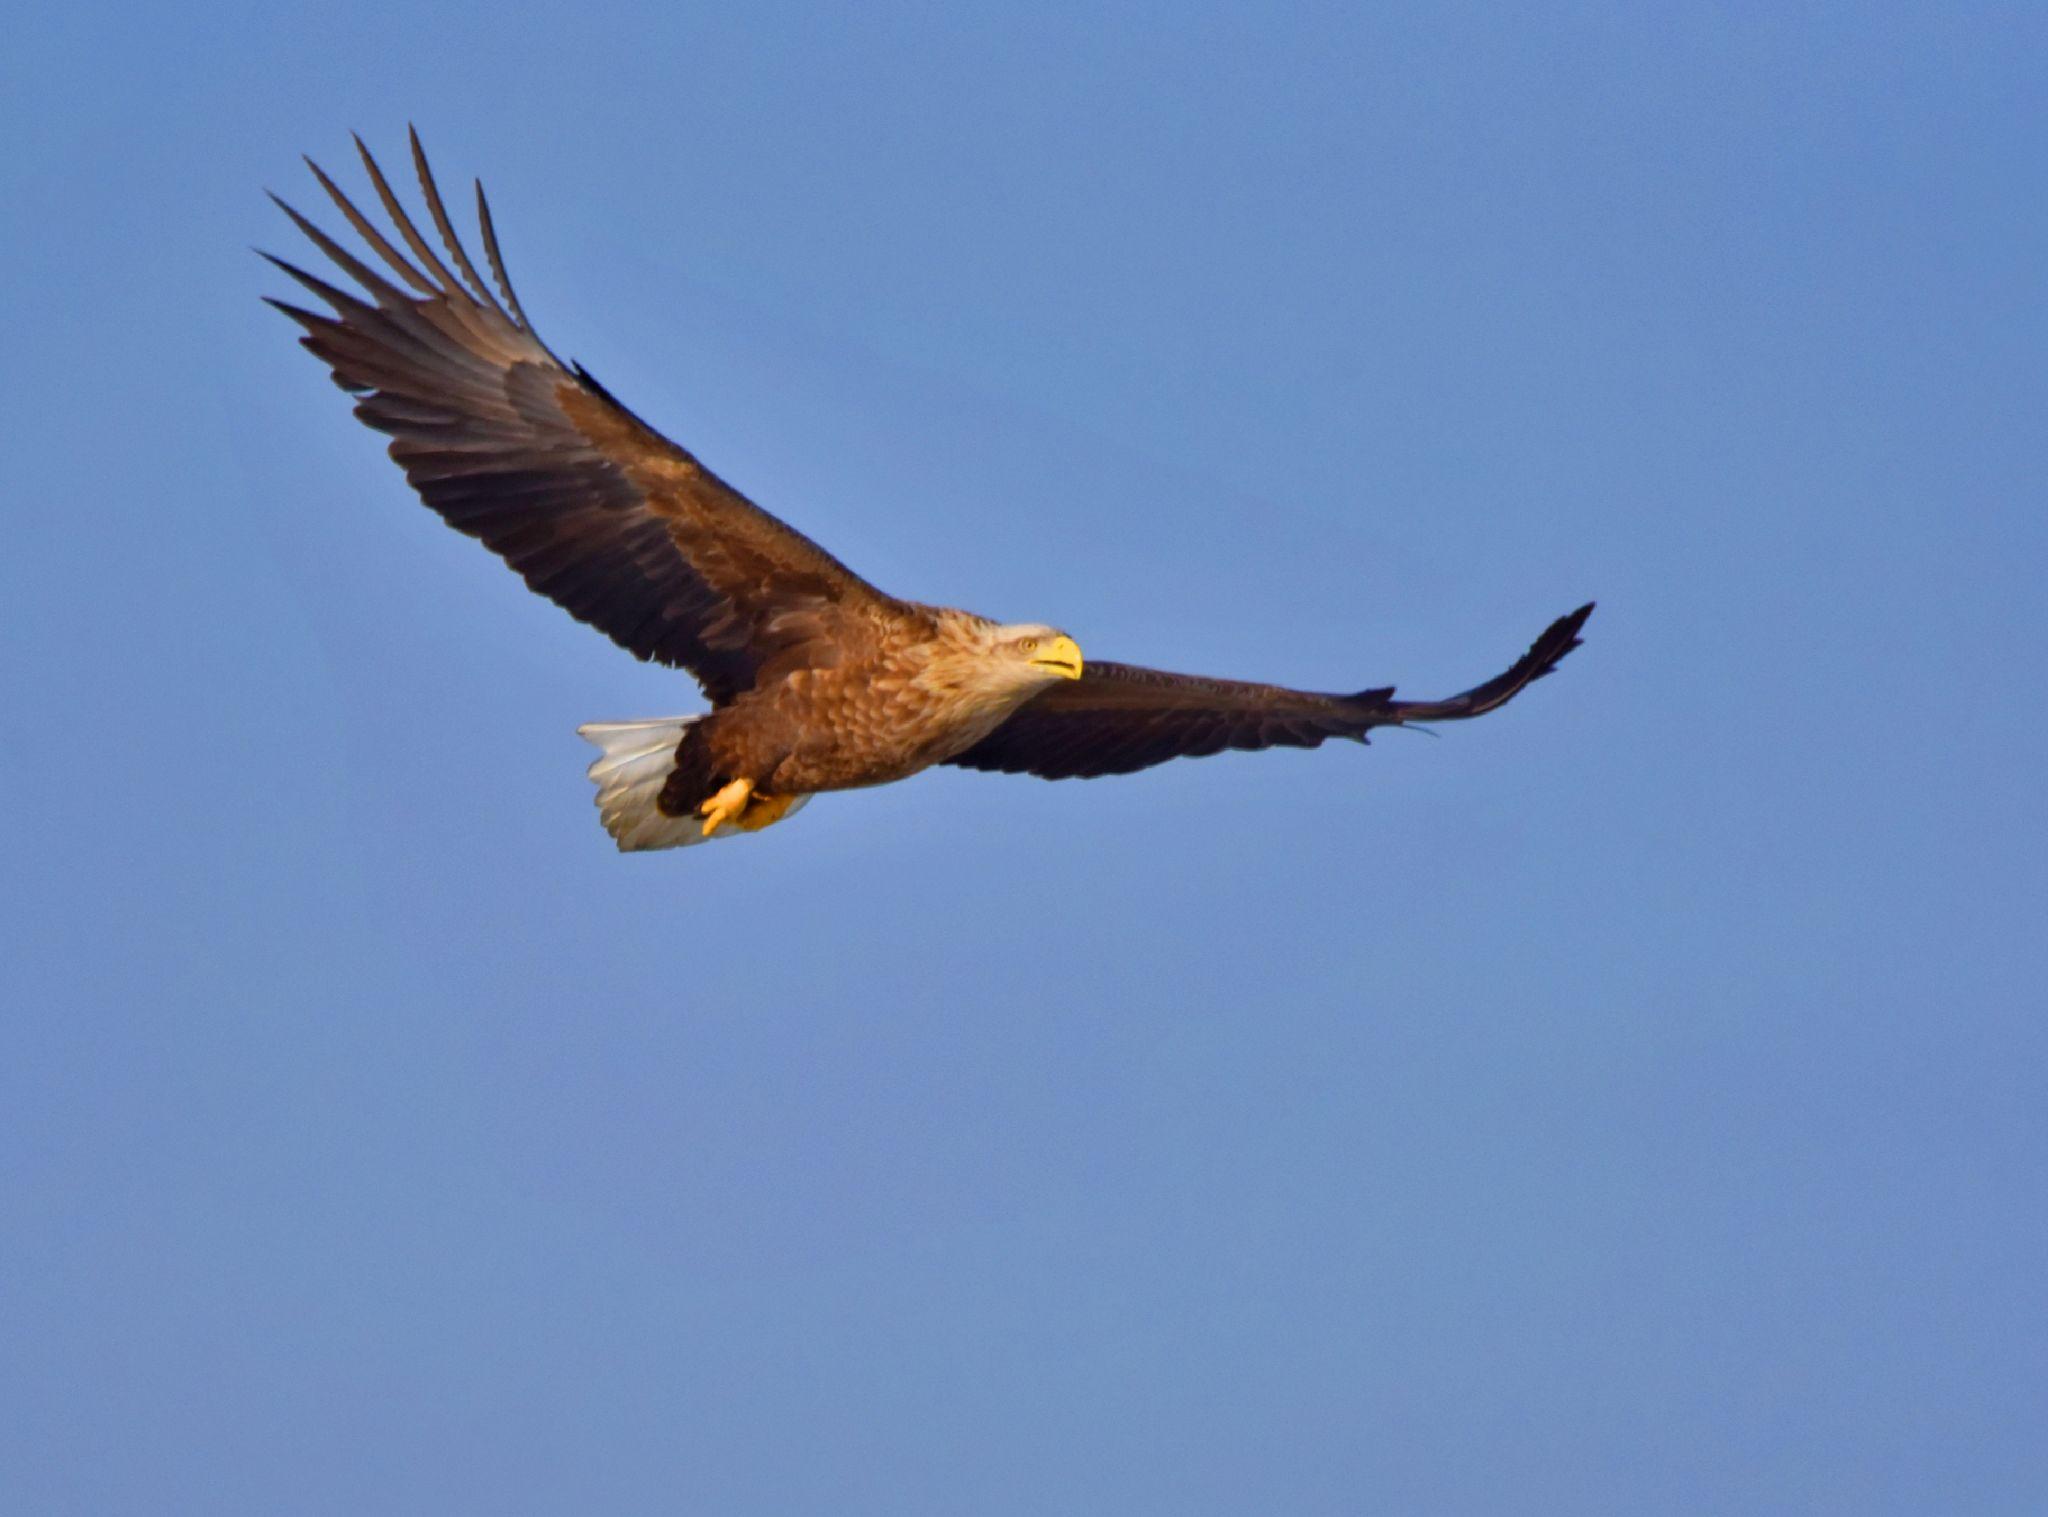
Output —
<point x="594" y="508"/>
<point x="1118" y="718"/>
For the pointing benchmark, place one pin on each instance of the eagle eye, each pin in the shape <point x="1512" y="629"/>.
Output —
<point x="1029" y="644"/>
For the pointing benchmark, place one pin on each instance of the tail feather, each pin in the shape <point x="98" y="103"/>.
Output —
<point x="636" y="759"/>
<point x="634" y="762"/>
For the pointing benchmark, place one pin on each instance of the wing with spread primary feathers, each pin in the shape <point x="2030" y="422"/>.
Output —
<point x="1118" y="718"/>
<point x="595" y="509"/>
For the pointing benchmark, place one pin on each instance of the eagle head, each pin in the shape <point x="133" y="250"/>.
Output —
<point x="1047" y="653"/>
<point x="982" y="670"/>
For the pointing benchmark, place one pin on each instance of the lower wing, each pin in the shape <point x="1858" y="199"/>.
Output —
<point x="1118" y="718"/>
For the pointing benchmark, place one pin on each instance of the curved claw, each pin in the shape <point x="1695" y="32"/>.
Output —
<point x="728" y="805"/>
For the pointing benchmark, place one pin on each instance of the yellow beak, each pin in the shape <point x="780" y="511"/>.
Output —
<point x="1060" y="655"/>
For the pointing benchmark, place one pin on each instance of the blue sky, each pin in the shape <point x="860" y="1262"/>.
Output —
<point x="1632" y="1101"/>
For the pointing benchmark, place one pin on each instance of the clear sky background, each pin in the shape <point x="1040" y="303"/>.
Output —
<point x="1631" y="1102"/>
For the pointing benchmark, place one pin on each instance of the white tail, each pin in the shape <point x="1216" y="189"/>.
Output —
<point x="636" y="761"/>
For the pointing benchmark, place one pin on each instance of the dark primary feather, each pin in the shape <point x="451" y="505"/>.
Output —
<point x="593" y="508"/>
<point x="1118" y="718"/>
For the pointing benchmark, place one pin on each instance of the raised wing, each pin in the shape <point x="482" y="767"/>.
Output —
<point x="594" y="508"/>
<point x="1118" y="718"/>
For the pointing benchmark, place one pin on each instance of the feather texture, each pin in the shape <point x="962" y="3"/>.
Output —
<point x="593" y="508"/>
<point x="1119" y="718"/>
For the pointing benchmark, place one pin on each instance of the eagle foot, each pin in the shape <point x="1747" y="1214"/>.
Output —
<point x="765" y="811"/>
<point x="728" y="805"/>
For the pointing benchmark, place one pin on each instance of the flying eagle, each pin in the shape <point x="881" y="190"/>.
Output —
<point x="817" y="680"/>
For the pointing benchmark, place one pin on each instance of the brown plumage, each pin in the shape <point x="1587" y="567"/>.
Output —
<point x="818" y="681"/>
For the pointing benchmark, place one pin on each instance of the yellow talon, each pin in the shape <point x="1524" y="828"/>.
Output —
<point x="726" y="806"/>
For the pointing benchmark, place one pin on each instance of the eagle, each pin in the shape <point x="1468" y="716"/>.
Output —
<point x="817" y="680"/>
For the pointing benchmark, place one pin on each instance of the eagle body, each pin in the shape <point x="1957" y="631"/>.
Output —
<point x="817" y="680"/>
<point x="925" y="692"/>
